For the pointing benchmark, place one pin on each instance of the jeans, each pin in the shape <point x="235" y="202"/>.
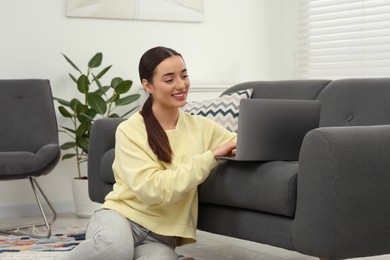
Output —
<point x="112" y="236"/>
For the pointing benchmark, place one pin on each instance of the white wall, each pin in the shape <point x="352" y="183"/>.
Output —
<point x="238" y="41"/>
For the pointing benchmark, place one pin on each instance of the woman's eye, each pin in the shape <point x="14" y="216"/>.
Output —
<point x="168" y="81"/>
<point x="184" y="76"/>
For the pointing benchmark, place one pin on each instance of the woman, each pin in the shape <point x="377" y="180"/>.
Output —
<point x="153" y="206"/>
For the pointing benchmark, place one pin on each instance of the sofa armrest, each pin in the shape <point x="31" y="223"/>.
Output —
<point x="102" y="141"/>
<point x="343" y="193"/>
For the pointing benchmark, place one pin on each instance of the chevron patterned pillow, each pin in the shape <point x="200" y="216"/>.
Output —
<point x="223" y="110"/>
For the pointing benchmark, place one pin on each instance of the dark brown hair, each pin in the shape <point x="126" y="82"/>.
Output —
<point x="157" y="138"/>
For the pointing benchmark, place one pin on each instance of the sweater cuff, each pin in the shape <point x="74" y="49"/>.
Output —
<point x="213" y="162"/>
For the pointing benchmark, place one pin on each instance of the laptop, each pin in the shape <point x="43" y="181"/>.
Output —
<point x="273" y="129"/>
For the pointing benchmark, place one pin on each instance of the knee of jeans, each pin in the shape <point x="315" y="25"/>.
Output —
<point x="113" y="246"/>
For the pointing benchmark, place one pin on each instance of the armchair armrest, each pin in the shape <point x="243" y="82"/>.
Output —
<point x="343" y="196"/>
<point x="100" y="157"/>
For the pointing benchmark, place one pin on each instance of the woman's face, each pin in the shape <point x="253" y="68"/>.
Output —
<point x="170" y="84"/>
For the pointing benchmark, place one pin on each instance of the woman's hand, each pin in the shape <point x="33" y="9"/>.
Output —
<point x="225" y="149"/>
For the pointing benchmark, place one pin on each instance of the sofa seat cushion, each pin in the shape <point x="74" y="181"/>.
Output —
<point x="269" y="187"/>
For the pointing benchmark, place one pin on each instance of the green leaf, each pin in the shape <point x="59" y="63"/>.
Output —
<point x="87" y="116"/>
<point x="62" y="101"/>
<point x="73" y="78"/>
<point x="123" y="87"/>
<point x="100" y="74"/>
<point x="96" y="60"/>
<point x="68" y="145"/>
<point x="81" y="131"/>
<point x="68" y="129"/>
<point x="128" y="112"/>
<point x="102" y="91"/>
<point x="76" y="105"/>
<point x="83" y="84"/>
<point x="115" y="82"/>
<point x="127" y="100"/>
<point x="71" y="63"/>
<point x="64" y="112"/>
<point x="68" y="156"/>
<point x="113" y="116"/>
<point x="113" y="98"/>
<point x="97" y="103"/>
<point x="83" y="143"/>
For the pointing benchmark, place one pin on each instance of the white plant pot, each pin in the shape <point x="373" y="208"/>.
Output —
<point x="84" y="206"/>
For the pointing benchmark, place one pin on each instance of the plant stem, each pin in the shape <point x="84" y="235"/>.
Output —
<point x="77" y="147"/>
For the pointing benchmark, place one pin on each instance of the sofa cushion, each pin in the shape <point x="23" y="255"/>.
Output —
<point x="223" y="110"/>
<point x="267" y="187"/>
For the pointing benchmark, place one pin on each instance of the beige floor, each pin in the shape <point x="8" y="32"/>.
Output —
<point x="209" y="246"/>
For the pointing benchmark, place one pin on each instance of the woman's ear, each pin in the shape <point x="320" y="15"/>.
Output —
<point x="147" y="86"/>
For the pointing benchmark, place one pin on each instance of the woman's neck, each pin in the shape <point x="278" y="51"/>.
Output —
<point x="166" y="117"/>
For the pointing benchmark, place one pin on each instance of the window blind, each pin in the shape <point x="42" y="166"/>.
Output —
<point x="343" y="38"/>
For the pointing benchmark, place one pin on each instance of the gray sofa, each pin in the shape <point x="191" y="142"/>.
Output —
<point x="333" y="203"/>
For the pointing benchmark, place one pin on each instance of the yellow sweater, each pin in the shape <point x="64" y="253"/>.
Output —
<point x="160" y="196"/>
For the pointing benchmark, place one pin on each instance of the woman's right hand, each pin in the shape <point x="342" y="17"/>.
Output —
<point x="225" y="149"/>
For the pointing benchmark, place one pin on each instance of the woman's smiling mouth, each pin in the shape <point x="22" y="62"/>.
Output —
<point x="180" y="96"/>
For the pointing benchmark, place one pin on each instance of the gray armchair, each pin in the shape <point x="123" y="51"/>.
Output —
<point x="28" y="138"/>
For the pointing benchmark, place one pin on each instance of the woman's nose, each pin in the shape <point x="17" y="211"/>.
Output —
<point x="181" y="84"/>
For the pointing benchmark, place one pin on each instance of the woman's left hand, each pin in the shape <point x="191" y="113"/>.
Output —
<point x="225" y="149"/>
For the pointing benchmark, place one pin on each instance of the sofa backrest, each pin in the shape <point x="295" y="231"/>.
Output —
<point x="344" y="102"/>
<point x="354" y="102"/>
<point x="284" y="89"/>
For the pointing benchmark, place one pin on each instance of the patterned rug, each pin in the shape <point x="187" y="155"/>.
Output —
<point x="56" y="243"/>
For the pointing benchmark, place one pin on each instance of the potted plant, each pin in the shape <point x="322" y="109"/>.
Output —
<point x="97" y="101"/>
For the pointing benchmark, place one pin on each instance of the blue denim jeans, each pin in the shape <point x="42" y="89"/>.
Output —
<point x="112" y="236"/>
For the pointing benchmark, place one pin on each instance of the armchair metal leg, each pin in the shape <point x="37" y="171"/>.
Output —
<point x="16" y="230"/>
